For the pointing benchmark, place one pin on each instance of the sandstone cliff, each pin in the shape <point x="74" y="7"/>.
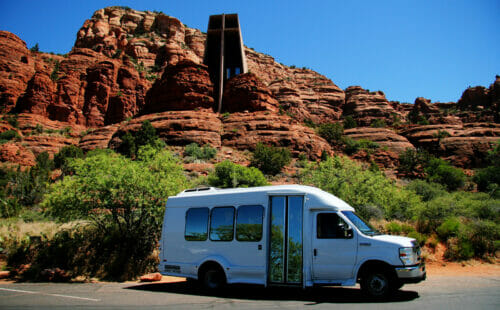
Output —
<point x="128" y="66"/>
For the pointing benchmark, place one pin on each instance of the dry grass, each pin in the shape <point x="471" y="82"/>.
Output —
<point x="19" y="230"/>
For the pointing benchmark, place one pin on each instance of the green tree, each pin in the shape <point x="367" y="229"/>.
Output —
<point x="331" y="132"/>
<point x="440" y="171"/>
<point x="269" y="159"/>
<point x="413" y="160"/>
<point x="228" y="174"/>
<point x="204" y="153"/>
<point x="65" y="153"/>
<point x="122" y="198"/>
<point x="361" y="188"/>
<point x="35" y="48"/>
<point x="488" y="179"/>
<point x="350" y="122"/>
<point x="146" y="135"/>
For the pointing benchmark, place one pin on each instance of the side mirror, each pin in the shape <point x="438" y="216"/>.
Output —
<point x="348" y="233"/>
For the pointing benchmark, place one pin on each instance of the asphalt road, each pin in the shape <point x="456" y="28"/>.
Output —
<point x="439" y="292"/>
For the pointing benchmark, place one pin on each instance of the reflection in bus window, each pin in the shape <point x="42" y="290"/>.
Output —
<point x="196" y="224"/>
<point x="249" y="223"/>
<point x="221" y="224"/>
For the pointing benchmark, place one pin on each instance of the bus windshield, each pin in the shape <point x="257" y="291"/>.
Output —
<point x="363" y="226"/>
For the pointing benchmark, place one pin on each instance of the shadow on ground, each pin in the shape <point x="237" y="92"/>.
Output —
<point x="253" y="292"/>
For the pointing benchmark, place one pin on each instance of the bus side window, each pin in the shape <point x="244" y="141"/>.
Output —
<point x="249" y="223"/>
<point x="222" y="224"/>
<point x="330" y="226"/>
<point x="196" y="224"/>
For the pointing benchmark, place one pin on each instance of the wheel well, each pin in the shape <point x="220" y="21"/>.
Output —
<point x="209" y="265"/>
<point x="375" y="265"/>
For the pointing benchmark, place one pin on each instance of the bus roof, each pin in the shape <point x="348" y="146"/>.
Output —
<point x="317" y="198"/>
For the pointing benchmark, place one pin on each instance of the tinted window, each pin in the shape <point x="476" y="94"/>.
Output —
<point x="221" y="224"/>
<point x="249" y="223"/>
<point x="330" y="226"/>
<point x="196" y="224"/>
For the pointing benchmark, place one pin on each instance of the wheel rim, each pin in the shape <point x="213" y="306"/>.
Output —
<point x="378" y="284"/>
<point x="212" y="279"/>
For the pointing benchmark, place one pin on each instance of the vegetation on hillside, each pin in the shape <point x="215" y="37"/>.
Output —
<point x="113" y="203"/>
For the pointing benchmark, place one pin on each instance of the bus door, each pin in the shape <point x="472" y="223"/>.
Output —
<point x="285" y="261"/>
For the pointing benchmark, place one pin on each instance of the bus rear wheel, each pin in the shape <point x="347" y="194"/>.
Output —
<point x="214" y="279"/>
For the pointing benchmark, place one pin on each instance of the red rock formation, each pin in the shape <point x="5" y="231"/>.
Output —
<point x="302" y="93"/>
<point x="185" y="86"/>
<point x="245" y="92"/>
<point x="424" y="109"/>
<point x="119" y="53"/>
<point x="463" y="145"/>
<point x="151" y="38"/>
<point x="16" y="69"/>
<point x="174" y="127"/>
<point x="244" y="130"/>
<point x="366" y="107"/>
<point x="98" y="138"/>
<point x="382" y="158"/>
<point x="481" y="104"/>
<point x="384" y="137"/>
<point x="14" y="152"/>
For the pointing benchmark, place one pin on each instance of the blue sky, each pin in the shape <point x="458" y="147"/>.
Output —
<point x="434" y="49"/>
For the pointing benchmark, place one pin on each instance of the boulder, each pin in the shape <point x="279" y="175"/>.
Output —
<point x="151" y="277"/>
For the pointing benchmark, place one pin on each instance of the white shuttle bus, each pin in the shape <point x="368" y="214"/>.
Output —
<point x="281" y="235"/>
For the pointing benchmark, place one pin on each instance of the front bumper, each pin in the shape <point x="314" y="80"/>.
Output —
<point x="412" y="274"/>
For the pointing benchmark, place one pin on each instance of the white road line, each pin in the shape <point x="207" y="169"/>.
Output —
<point x="47" y="294"/>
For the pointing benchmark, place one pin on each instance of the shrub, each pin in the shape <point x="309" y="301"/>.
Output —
<point x="349" y="122"/>
<point x="309" y="123"/>
<point x="347" y="180"/>
<point x="482" y="236"/>
<point x="8" y="135"/>
<point x="37" y="130"/>
<point x="270" y="159"/>
<point x="369" y="212"/>
<point x="28" y="187"/>
<point x="204" y="153"/>
<point x="132" y="142"/>
<point x="448" y="228"/>
<point x="411" y="160"/>
<point x="12" y="120"/>
<point x="351" y="146"/>
<point x="458" y="249"/>
<point x="228" y="174"/>
<point x="378" y="123"/>
<point x="487" y="179"/>
<point x="442" y="172"/>
<point x="54" y="76"/>
<point x="393" y="228"/>
<point x="475" y="238"/>
<point x="421" y="238"/>
<point x="61" y="158"/>
<point x="123" y="200"/>
<point x="81" y="251"/>
<point x="427" y="191"/>
<point x="457" y="204"/>
<point x="441" y="134"/>
<point x="331" y="132"/>
<point x="35" y="48"/>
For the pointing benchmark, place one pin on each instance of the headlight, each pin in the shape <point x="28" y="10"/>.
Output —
<point x="409" y="256"/>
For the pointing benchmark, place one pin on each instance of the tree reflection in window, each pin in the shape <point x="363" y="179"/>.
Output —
<point x="222" y="224"/>
<point x="196" y="224"/>
<point x="249" y="223"/>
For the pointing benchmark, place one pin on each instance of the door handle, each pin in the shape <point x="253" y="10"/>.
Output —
<point x="315" y="252"/>
<point x="259" y="247"/>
